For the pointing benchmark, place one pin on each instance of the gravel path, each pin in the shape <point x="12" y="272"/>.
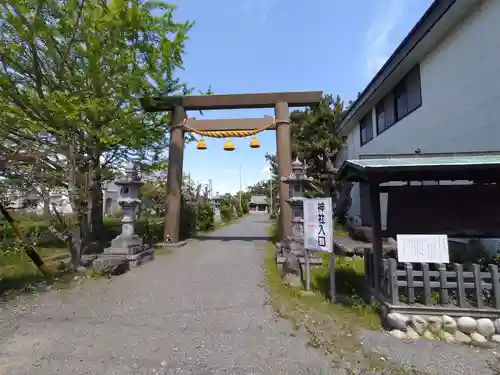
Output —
<point x="200" y="310"/>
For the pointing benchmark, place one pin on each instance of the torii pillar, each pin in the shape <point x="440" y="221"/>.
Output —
<point x="284" y="159"/>
<point x="174" y="177"/>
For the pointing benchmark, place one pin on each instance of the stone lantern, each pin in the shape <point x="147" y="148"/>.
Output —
<point x="128" y="245"/>
<point x="291" y="250"/>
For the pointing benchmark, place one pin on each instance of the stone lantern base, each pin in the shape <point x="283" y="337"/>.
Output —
<point x="131" y="248"/>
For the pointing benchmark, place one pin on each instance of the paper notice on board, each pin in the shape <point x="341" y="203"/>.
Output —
<point x="423" y="248"/>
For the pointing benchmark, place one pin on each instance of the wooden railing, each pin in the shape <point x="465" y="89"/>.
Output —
<point x="447" y="286"/>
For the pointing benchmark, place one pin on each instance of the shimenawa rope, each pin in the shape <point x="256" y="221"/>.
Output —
<point x="227" y="133"/>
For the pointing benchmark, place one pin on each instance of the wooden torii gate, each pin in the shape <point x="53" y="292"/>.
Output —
<point x="178" y="105"/>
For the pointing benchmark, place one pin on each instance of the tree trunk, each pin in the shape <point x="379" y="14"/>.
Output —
<point x="96" y="221"/>
<point x="46" y="202"/>
<point x="46" y="208"/>
<point x="79" y="231"/>
<point x="78" y="196"/>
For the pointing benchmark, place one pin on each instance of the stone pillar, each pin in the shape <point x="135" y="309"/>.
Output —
<point x="284" y="158"/>
<point x="174" y="178"/>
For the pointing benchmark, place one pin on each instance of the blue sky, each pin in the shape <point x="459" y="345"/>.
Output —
<point x="244" y="46"/>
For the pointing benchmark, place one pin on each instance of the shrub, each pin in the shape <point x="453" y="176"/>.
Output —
<point x="244" y="205"/>
<point x="188" y="219"/>
<point x="226" y="211"/>
<point x="39" y="233"/>
<point x="206" y="214"/>
<point x="239" y="211"/>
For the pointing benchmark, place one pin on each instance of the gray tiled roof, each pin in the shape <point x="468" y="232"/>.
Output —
<point x="258" y="199"/>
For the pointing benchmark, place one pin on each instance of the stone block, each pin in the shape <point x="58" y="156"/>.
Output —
<point x="172" y="245"/>
<point x="135" y="260"/>
<point x="111" y="264"/>
<point x="124" y="241"/>
<point x="124" y="250"/>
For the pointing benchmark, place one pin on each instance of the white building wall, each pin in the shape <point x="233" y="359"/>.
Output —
<point x="460" y="109"/>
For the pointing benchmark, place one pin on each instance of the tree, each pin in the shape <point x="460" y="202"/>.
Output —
<point x="226" y="210"/>
<point x="315" y="142"/>
<point x="71" y="75"/>
<point x="206" y="215"/>
<point x="260" y="188"/>
<point x="245" y="199"/>
<point x="153" y="191"/>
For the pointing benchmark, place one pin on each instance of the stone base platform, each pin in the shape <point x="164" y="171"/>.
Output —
<point x="313" y="261"/>
<point x="146" y="255"/>
<point x="110" y="261"/>
<point x="173" y="245"/>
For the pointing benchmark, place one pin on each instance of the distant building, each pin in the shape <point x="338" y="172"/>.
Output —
<point x="258" y="203"/>
<point x="32" y="201"/>
<point x="110" y="196"/>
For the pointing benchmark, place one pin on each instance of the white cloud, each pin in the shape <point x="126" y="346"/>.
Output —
<point x="262" y="8"/>
<point x="266" y="169"/>
<point x="385" y="18"/>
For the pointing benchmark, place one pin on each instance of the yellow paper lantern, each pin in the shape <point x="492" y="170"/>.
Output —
<point x="229" y="145"/>
<point x="201" y="145"/>
<point x="254" y="143"/>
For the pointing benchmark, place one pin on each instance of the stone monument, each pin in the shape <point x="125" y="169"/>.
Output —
<point x="127" y="246"/>
<point x="290" y="254"/>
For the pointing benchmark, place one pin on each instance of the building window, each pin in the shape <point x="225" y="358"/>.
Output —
<point x="386" y="114"/>
<point x="404" y="99"/>
<point x="366" y="129"/>
<point x="408" y="94"/>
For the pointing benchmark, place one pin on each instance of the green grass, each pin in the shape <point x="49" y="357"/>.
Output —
<point x="339" y="229"/>
<point x="18" y="274"/>
<point x="349" y="283"/>
<point x="332" y="327"/>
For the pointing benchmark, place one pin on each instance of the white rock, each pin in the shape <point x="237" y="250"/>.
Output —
<point x="495" y="338"/>
<point x="434" y="324"/>
<point x="496" y="323"/>
<point x="428" y="335"/>
<point x="411" y="333"/>
<point x="446" y="337"/>
<point x="419" y="324"/>
<point x="398" y="334"/>
<point x="397" y="321"/>
<point x="466" y="324"/>
<point x="461" y="338"/>
<point x="485" y="327"/>
<point x="477" y="338"/>
<point x="449" y="324"/>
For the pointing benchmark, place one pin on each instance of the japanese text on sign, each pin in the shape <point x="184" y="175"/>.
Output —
<point x="318" y="224"/>
<point x="421" y="248"/>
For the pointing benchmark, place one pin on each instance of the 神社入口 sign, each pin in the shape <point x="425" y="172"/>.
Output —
<point x="318" y="224"/>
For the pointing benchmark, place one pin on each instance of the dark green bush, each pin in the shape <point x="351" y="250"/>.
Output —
<point x="239" y="211"/>
<point x="188" y="219"/>
<point x="39" y="232"/>
<point x="226" y="211"/>
<point x="244" y="204"/>
<point x="206" y="214"/>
